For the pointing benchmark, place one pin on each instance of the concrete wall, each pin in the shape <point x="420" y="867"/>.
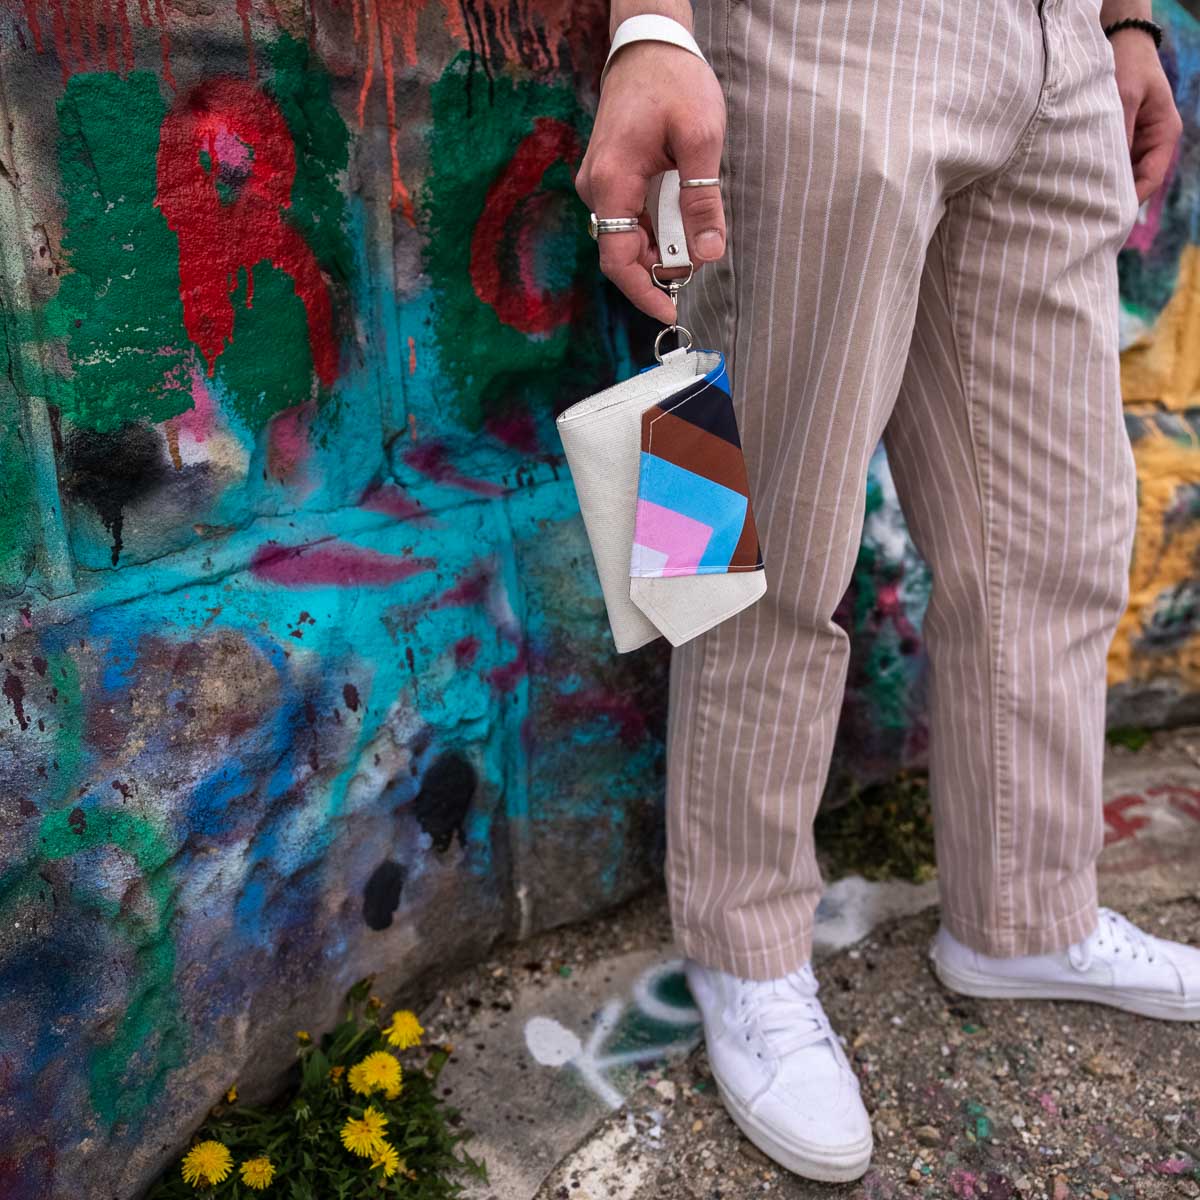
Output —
<point x="304" y="670"/>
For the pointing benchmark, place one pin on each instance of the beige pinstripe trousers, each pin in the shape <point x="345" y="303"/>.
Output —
<point x="925" y="202"/>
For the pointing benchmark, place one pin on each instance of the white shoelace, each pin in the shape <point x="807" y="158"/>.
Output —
<point x="1116" y="931"/>
<point x="789" y="1014"/>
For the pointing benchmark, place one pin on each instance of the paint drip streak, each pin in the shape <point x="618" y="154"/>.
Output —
<point x="243" y="8"/>
<point x="35" y="28"/>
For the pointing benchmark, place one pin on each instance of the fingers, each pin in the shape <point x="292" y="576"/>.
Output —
<point x="697" y="153"/>
<point x="1149" y="172"/>
<point x="612" y="191"/>
<point x="1157" y="134"/>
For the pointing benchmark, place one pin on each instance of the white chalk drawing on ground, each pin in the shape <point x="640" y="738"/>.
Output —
<point x="554" y="1045"/>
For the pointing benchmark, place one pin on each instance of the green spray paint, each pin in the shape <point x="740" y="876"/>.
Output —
<point x="16" y="480"/>
<point x="318" y="210"/>
<point x="118" y="309"/>
<point x="152" y="1023"/>
<point x="488" y="365"/>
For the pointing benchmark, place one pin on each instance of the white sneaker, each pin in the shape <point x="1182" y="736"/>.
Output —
<point x="1118" y="964"/>
<point x="782" y="1072"/>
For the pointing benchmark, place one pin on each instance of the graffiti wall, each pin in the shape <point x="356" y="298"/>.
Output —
<point x="304" y="668"/>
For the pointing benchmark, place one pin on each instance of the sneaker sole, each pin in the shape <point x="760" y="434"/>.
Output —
<point x="987" y="987"/>
<point x="808" y="1161"/>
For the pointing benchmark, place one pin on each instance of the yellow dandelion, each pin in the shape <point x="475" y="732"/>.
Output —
<point x="392" y="1094"/>
<point x="364" y="1135"/>
<point x="231" y="1095"/>
<point x="374" y="1003"/>
<point x="377" y="1072"/>
<point x="335" y="1073"/>
<point x="207" y="1163"/>
<point x="404" y="1031"/>
<point x="303" y="1036"/>
<point x="388" y="1160"/>
<point x="257" y="1173"/>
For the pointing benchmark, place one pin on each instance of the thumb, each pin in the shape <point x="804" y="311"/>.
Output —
<point x="697" y="155"/>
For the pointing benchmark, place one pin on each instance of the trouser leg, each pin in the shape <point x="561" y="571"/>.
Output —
<point x="834" y="183"/>
<point x="1011" y="460"/>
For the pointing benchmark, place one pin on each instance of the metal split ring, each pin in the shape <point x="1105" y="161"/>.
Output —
<point x="699" y="183"/>
<point x="679" y="332"/>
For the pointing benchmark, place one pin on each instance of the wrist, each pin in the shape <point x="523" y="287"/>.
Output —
<point x="677" y="10"/>
<point x="1112" y="11"/>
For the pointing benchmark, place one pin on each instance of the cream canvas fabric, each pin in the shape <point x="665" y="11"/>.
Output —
<point x="602" y="438"/>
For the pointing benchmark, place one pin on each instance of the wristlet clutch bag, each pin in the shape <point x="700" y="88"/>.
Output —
<point x="662" y="485"/>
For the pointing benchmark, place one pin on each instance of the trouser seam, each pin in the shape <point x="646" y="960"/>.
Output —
<point x="980" y="465"/>
<point x="684" y="794"/>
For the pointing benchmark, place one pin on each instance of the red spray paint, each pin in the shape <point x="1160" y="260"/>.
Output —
<point x="248" y="147"/>
<point x="527" y="308"/>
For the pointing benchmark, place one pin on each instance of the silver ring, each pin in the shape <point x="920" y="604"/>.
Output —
<point x="598" y="225"/>
<point x="679" y="332"/>
<point x="699" y="183"/>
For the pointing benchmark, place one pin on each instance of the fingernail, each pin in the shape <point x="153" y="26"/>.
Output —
<point x="710" y="243"/>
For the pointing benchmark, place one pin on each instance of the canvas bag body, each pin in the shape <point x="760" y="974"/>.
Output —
<point x="675" y="548"/>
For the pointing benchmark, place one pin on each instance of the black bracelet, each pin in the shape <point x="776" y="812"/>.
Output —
<point x="1155" y="31"/>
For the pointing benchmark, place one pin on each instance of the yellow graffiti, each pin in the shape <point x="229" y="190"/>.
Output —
<point x="1163" y="367"/>
<point x="1164" y="557"/>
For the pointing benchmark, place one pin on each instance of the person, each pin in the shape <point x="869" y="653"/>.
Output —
<point x="925" y="204"/>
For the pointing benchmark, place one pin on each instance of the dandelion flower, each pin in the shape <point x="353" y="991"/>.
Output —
<point x="377" y="1072"/>
<point x="231" y="1095"/>
<point x="206" y="1164"/>
<point x="257" y="1173"/>
<point x="303" y="1036"/>
<point x="387" y="1160"/>
<point x="335" y="1073"/>
<point x="404" y="1031"/>
<point x="364" y="1135"/>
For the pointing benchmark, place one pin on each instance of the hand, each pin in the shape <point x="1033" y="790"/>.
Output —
<point x="661" y="108"/>
<point x="1152" y="123"/>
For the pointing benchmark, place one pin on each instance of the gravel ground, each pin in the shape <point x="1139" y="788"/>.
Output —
<point x="971" y="1099"/>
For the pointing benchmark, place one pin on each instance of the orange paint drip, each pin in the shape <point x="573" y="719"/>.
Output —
<point x="399" y="191"/>
<point x="31" y="19"/>
<point x="412" y="355"/>
<point x="369" y="70"/>
<point x="126" y="34"/>
<point x="58" y="25"/>
<point x="91" y="39"/>
<point x="74" y="35"/>
<point x="455" y="25"/>
<point x="110" y="35"/>
<point x="160" y="10"/>
<point x="243" y="9"/>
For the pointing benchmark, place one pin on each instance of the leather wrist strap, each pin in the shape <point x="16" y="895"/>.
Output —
<point x="650" y="27"/>
<point x="662" y="203"/>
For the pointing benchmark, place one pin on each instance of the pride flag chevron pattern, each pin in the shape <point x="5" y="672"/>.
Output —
<point x="693" y="509"/>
